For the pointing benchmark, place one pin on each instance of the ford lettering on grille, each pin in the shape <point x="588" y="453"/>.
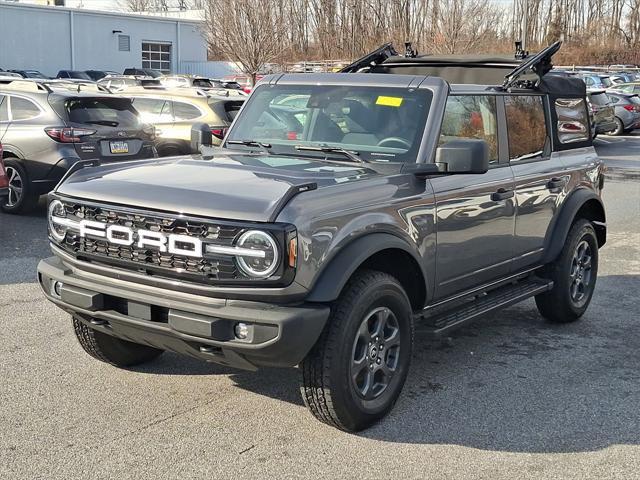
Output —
<point x="166" y="245"/>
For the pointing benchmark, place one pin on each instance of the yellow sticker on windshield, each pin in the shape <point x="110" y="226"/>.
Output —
<point x="389" y="101"/>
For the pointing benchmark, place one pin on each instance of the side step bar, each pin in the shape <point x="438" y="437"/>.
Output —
<point x="443" y="322"/>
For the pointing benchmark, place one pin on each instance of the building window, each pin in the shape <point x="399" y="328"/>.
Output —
<point x="156" y="56"/>
<point x="124" y="43"/>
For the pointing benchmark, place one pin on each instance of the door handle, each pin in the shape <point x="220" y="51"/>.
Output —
<point x="502" y="194"/>
<point x="556" y="182"/>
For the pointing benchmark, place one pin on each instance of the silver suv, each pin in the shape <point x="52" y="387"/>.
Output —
<point x="46" y="129"/>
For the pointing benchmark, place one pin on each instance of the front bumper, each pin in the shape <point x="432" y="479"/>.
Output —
<point x="184" y="323"/>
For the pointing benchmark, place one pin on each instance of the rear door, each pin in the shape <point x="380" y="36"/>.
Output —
<point x="539" y="177"/>
<point x="113" y="128"/>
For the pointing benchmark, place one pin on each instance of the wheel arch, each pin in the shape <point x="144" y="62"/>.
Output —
<point x="581" y="204"/>
<point x="378" y="251"/>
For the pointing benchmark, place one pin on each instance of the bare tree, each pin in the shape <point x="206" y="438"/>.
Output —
<point x="249" y="33"/>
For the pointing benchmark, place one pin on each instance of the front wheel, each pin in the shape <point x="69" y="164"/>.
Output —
<point x="574" y="275"/>
<point x="108" y="349"/>
<point x="354" y="374"/>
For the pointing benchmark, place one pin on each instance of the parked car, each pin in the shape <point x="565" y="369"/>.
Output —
<point x="620" y="78"/>
<point x="173" y="81"/>
<point x="4" y="180"/>
<point x="243" y="80"/>
<point x="142" y="72"/>
<point x="46" y="129"/>
<point x="633" y="87"/>
<point x="30" y="74"/>
<point x="10" y="75"/>
<point x="321" y="244"/>
<point x="74" y="76"/>
<point x="230" y="87"/>
<point x="96" y="75"/>
<point x="174" y="111"/>
<point x="596" y="82"/>
<point x="627" y="112"/>
<point x="602" y="113"/>
<point x="118" y="83"/>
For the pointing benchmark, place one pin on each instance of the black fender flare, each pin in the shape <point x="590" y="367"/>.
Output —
<point x="332" y="279"/>
<point x="557" y="233"/>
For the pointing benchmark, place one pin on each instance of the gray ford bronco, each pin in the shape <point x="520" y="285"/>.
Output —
<point x="341" y="210"/>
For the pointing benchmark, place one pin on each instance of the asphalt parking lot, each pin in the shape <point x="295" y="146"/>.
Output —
<point x="509" y="397"/>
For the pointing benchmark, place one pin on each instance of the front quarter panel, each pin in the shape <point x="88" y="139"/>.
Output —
<point x="330" y="219"/>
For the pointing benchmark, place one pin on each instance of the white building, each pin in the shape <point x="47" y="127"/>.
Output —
<point x="50" y="39"/>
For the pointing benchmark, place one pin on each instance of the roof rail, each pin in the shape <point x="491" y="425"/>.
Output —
<point x="78" y="86"/>
<point x="25" y="86"/>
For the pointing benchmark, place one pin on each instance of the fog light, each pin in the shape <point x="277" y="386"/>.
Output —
<point x="56" y="289"/>
<point x="241" y="331"/>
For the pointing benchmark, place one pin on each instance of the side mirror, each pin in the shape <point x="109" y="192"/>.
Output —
<point x="464" y="155"/>
<point x="200" y="136"/>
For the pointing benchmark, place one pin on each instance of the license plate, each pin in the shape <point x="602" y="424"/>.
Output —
<point x="119" y="147"/>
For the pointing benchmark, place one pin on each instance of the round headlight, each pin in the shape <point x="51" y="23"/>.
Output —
<point x="264" y="261"/>
<point x="58" y="230"/>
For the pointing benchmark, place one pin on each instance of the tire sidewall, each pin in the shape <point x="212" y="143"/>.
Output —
<point x="22" y="204"/>
<point x="586" y="233"/>
<point x="381" y="294"/>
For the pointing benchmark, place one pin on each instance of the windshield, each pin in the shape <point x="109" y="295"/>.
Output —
<point x="380" y="123"/>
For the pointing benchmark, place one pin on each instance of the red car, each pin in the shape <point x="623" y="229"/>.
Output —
<point x="4" y="180"/>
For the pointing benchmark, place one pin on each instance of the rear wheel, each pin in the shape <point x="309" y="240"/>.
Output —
<point x="574" y="276"/>
<point x="111" y="349"/>
<point x="22" y="197"/>
<point x="355" y="373"/>
<point x="619" y="130"/>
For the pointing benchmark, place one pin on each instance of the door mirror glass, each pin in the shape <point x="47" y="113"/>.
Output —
<point x="200" y="136"/>
<point x="464" y="155"/>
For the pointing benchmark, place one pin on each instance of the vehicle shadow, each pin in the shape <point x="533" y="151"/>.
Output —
<point x="512" y="382"/>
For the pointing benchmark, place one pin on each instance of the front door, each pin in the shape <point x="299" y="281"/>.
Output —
<point x="475" y="214"/>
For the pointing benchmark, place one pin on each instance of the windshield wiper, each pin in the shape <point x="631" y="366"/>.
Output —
<point x="353" y="156"/>
<point x="251" y="143"/>
<point x="107" y="123"/>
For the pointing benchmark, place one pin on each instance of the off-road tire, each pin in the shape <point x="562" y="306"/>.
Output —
<point x="28" y="199"/>
<point x="327" y="387"/>
<point x="557" y="305"/>
<point x="106" y="348"/>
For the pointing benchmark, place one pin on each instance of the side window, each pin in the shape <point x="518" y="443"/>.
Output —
<point x="4" y="109"/>
<point x="184" y="111"/>
<point x="471" y="116"/>
<point x="22" y="109"/>
<point x="526" y="126"/>
<point x="152" y="110"/>
<point x="573" y="120"/>
<point x="589" y="81"/>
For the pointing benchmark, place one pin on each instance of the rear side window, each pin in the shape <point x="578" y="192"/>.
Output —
<point x="4" y="110"/>
<point x="185" y="111"/>
<point x="526" y="126"/>
<point x="202" y="82"/>
<point x="599" y="99"/>
<point x="110" y="112"/>
<point x="153" y="110"/>
<point x="23" y="109"/>
<point x="573" y="120"/>
<point x="472" y="116"/>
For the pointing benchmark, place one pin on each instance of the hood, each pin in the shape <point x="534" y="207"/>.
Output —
<point x="229" y="186"/>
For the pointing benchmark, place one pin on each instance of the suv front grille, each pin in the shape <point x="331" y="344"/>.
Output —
<point x="212" y="269"/>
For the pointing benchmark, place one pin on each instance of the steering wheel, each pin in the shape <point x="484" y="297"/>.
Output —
<point x="400" y="140"/>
